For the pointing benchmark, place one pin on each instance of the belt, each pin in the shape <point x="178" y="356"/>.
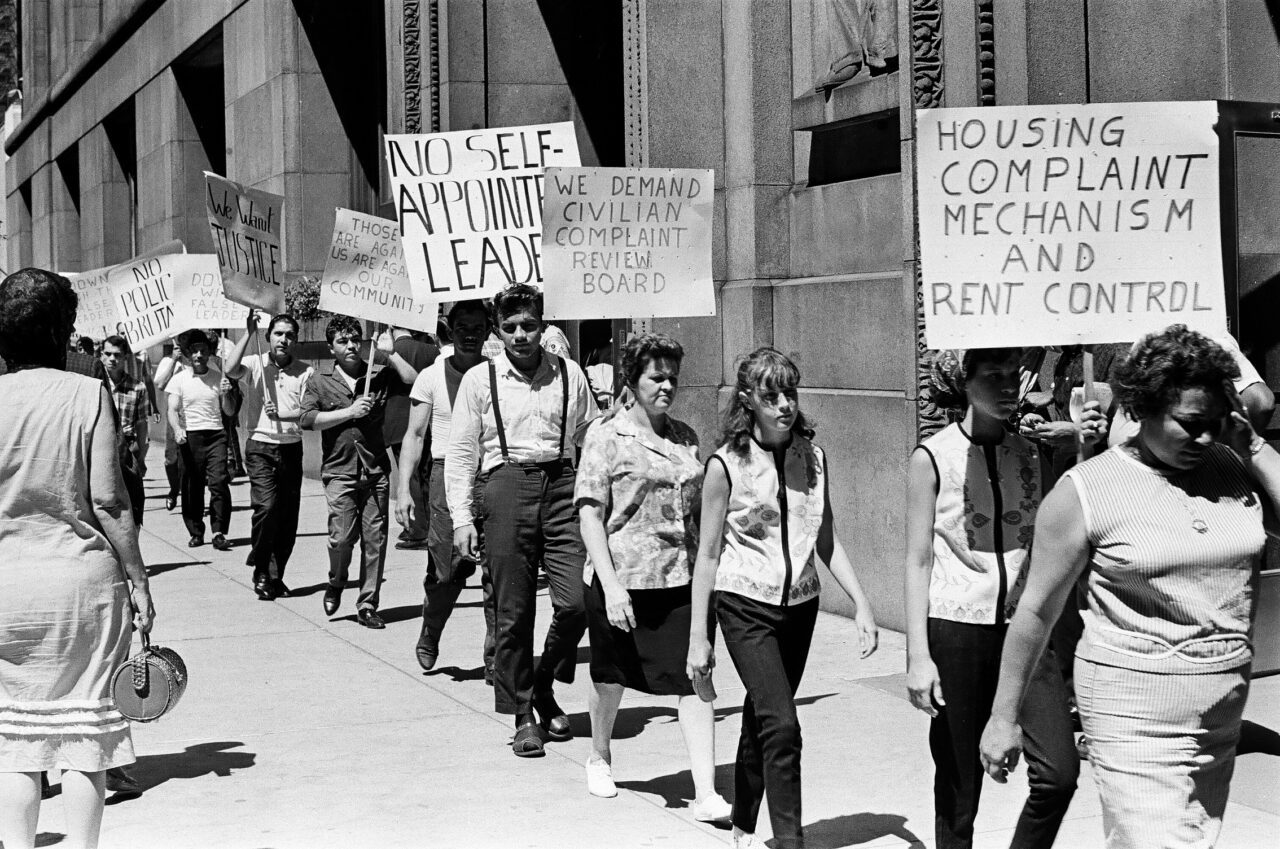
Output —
<point x="529" y="465"/>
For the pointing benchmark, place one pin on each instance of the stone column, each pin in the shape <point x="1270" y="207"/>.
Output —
<point x="104" y="202"/>
<point x="171" y="159"/>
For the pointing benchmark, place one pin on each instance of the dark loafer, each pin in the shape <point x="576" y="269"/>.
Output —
<point x="554" y="721"/>
<point x="369" y="618"/>
<point x="332" y="598"/>
<point x="428" y="652"/>
<point x="278" y="587"/>
<point x="221" y="543"/>
<point x="262" y="586"/>
<point x="528" y="741"/>
<point x="196" y="541"/>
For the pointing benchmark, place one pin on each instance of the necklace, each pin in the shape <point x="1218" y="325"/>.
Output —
<point x="1198" y="524"/>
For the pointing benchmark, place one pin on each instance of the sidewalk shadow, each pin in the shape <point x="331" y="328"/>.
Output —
<point x="676" y="789"/>
<point x="160" y="568"/>
<point x="457" y="673"/>
<point x="302" y="592"/>
<point x="632" y="720"/>
<point x="1255" y="738"/>
<point x="49" y="838"/>
<point x="403" y="613"/>
<point x="856" y="829"/>
<point x="196" y="761"/>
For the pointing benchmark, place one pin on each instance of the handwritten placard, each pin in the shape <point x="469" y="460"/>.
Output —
<point x="628" y="242"/>
<point x="96" y="313"/>
<point x="469" y="204"/>
<point x="246" y="228"/>
<point x="365" y="277"/>
<point x="143" y="294"/>
<point x="198" y="299"/>
<point x="1065" y="224"/>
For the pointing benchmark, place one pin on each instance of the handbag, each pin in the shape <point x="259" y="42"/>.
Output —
<point x="149" y="684"/>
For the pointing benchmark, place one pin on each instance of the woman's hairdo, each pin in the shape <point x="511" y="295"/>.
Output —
<point x="647" y="348"/>
<point x="37" y="313"/>
<point x="1161" y="365"/>
<point x="518" y="298"/>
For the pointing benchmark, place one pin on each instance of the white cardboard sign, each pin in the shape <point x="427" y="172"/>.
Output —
<point x="1063" y="224"/>
<point x="365" y="277"/>
<point x="198" y="298"/>
<point x="469" y="204"/>
<point x="628" y="242"/>
<point x="246" y="225"/>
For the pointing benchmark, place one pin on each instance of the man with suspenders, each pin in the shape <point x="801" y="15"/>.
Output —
<point x="514" y="419"/>
<point x="433" y="396"/>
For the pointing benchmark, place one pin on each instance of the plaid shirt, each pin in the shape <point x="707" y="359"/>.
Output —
<point x="130" y="397"/>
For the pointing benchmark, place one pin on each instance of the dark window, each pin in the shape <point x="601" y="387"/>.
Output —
<point x="866" y="146"/>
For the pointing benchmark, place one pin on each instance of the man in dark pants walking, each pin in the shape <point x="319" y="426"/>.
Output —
<point x="197" y="400"/>
<point x="419" y="354"/>
<point x="274" y="382"/>
<point x="515" y="420"/>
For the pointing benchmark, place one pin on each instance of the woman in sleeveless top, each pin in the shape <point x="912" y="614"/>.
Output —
<point x="1167" y="530"/>
<point x="972" y="495"/>
<point x="70" y="569"/>
<point x="766" y="515"/>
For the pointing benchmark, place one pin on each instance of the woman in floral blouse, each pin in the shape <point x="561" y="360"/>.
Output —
<point x="638" y="492"/>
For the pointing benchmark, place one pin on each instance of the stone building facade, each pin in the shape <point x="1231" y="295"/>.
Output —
<point x="803" y="108"/>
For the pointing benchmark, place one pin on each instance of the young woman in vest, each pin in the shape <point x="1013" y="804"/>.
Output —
<point x="972" y="494"/>
<point x="765" y="514"/>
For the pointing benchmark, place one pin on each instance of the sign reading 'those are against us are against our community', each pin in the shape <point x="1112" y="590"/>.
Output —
<point x="469" y="205"/>
<point x="628" y="242"/>
<point x="1062" y="224"/>
<point x="364" y="274"/>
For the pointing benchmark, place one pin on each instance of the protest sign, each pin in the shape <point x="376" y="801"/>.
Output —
<point x="365" y="276"/>
<point x="246" y="228"/>
<point x="142" y="291"/>
<point x="469" y="205"/>
<point x="198" y="299"/>
<point x="96" y="313"/>
<point x="1062" y="224"/>
<point x="628" y="242"/>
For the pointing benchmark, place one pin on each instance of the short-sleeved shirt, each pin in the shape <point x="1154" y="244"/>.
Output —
<point x="436" y="387"/>
<point x="419" y="355"/>
<point x="354" y="447"/>
<point x="200" y="396"/>
<point x="650" y="491"/>
<point x="284" y="386"/>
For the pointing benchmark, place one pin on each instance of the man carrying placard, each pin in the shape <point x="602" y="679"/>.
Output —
<point x="198" y="398"/>
<point x="433" y="396"/>
<point x="514" y="420"/>
<point x="346" y="404"/>
<point x="273" y="454"/>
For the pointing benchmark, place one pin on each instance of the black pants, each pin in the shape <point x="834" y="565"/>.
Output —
<point x="275" y="490"/>
<point x="448" y="570"/>
<point x="769" y="645"/>
<point x="968" y="661"/>
<point x="205" y="456"/>
<point x="529" y="517"/>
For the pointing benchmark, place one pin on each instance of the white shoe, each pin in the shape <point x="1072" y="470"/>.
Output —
<point x="743" y="840"/>
<point x="600" y="780"/>
<point x="712" y="808"/>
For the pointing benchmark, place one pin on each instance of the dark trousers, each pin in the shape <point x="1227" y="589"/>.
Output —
<point x="530" y="517"/>
<point x="358" y="511"/>
<point x="205" y="457"/>
<point x="769" y="645"/>
<point x="235" y="461"/>
<point x="968" y="661"/>
<point x="418" y="487"/>
<point x="275" y="491"/>
<point x="447" y="570"/>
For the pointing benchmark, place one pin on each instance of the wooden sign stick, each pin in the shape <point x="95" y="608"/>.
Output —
<point x="1086" y="367"/>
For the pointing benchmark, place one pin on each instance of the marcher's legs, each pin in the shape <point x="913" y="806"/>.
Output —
<point x="215" y="459"/>
<point x="698" y="725"/>
<point x="262" y="461"/>
<point x="82" y="797"/>
<point x="374" y="502"/>
<point x="344" y="526"/>
<point x="19" y="809"/>
<point x="1053" y="766"/>
<point x="288" y="501"/>
<point x="602" y="706"/>
<point x="968" y="661"/>
<point x="769" y="645"/>
<point x="563" y="556"/>
<point x="193" y="483"/>
<point x="512" y="537"/>
<point x="447" y="571"/>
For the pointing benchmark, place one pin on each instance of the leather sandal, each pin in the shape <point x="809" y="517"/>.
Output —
<point x="528" y="741"/>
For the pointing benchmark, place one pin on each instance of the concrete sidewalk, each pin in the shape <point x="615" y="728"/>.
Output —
<point x="298" y="730"/>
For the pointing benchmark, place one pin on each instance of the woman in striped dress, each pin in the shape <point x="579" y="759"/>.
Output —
<point x="1167" y="529"/>
<point x="70" y="569"/>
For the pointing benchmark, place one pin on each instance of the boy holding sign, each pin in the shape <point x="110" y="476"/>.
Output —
<point x="346" y="403"/>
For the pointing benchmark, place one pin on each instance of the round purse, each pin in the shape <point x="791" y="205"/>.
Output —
<point x="149" y="684"/>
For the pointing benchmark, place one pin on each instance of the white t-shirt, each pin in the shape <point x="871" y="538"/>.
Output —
<point x="432" y="389"/>
<point x="200" y="396"/>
